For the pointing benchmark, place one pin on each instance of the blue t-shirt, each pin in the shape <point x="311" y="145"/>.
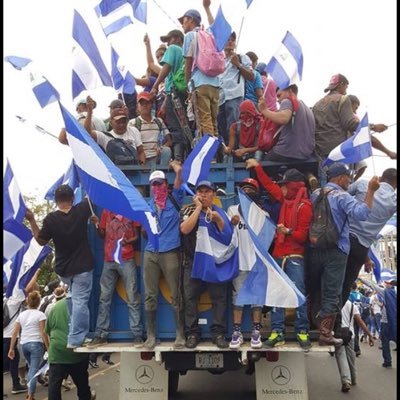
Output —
<point x="251" y="86"/>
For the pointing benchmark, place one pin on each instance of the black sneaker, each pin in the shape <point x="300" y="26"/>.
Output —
<point x="387" y="365"/>
<point x="98" y="341"/>
<point x="19" y="389"/>
<point x="304" y="340"/>
<point x="192" y="341"/>
<point x="138" y="341"/>
<point x="93" y="364"/>
<point x="221" y="342"/>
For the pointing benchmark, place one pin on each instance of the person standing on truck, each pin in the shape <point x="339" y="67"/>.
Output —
<point x="167" y="259"/>
<point x="198" y="219"/>
<point x="67" y="226"/>
<point x="246" y="260"/>
<point x="120" y="235"/>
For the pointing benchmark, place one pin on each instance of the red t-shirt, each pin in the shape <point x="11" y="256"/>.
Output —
<point x="115" y="227"/>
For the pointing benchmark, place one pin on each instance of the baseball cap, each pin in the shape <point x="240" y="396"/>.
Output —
<point x="118" y="113"/>
<point x="117" y="103"/>
<point x="191" y="14"/>
<point x="145" y="96"/>
<point x="59" y="293"/>
<point x="250" y="182"/>
<point x="157" y="176"/>
<point x="170" y="34"/>
<point x="63" y="191"/>
<point x="261" y="67"/>
<point x="292" y="175"/>
<point x="207" y="184"/>
<point x="337" y="169"/>
<point x="335" y="81"/>
<point x="84" y="101"/>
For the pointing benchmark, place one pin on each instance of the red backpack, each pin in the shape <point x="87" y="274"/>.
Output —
<point x="269" y="131"/>
<point x="209" y="61"/>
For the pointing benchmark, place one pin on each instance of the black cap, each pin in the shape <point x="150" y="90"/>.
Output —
<point x="292" y="175"/>
<point x="173" y="33"/>
<point x="337" y="169"/>
<point x="63" y="191"/>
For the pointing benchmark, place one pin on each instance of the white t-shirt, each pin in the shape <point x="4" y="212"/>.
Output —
<point x="247" y="255"/>
<point x="347" y="319"/>
<point x="29" y="321"/>
<point x="13" y="305"/>
<point x="131" y="136"/>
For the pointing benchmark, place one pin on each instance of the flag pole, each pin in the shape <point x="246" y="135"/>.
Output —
<point x="91" y="209"/>
<point x="240" y="31"/>
<point x="372" y="155"/>
<point x="37" y="127"/>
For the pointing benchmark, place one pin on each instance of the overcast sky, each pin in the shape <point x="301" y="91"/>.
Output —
<point x="354" y="37"/>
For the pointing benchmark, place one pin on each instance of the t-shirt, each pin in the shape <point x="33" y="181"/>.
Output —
<point x="251" y="86"/>
<point x="173" y="57"/>
<point x="29" y="321"/>
<point x="297" y="140"/>
<point x="57" y="327"/>
<point x="69" y="233"/>
<point x="347" y="318"/>
<point x="131" y="136"/>
<point x="116" y="227"/>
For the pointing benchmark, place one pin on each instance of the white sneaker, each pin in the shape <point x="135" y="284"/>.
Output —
<point x="237" y="340"/>
<point x="256" y="342"/>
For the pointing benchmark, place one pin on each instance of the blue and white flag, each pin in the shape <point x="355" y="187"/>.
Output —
<point x="114" y="15"/>
<point x="197" y="165"/>
<point x="89" y="70"/>
<point x="15" y="236"/>
<point x="248" y="2"/>
<point x="266" y="283"/>
<point x="216" y="253"/>
<point x="221" y="30"/>
<point x="18" y="62"/>
<point x="71" y="179"/>
<point x="13" y="203"/>
<point x="123" y="80"/>
<point x="140" y="10"/>
<point x="105" y="184"/>
<point x="356" y="148"/>
<point x="389" y="228"/>
<point x="41" y="371"/>
<point x="117" y="252"/>
<point x="387" y="274"/>
<point x="24" y="265"/>
<point x="373" y="254"/>
<point x="286" y="66"/>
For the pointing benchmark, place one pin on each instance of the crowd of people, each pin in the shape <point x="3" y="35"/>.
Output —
<point x="180" y="103"/>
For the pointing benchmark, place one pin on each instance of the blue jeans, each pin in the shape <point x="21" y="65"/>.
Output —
<point x="162" y="160"/>
<point x="80" y="286"/>
<point x="228" y="113"/>
<point x="327" y="269"/>
<point x="294" y="269"/>
<point x="33" y="352"/>
<point x="111" y="272"/>
<point x="387" y="356"/>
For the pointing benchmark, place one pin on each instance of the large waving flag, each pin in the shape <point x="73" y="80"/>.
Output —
<point x="123" y="80"/>
<point x="197" y="165"/>
<point x="286" y="66"/>
<point x="70" y="178"/>
<point x="216" y="253"/>
<point x="89" y="70"/>
<point x="387" y="274"/>
<point x="266" y="283"/>
<point x="248" y="2"/>
<point x="354" y="149"/>
<point x="221" y="30"/>
<point x="140" y="10"/>
<point x="15" y="236"/>
<point x="24" y="265"/>
<point x="114" y="15"/>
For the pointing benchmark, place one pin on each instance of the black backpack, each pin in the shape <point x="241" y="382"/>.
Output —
<point x="323" y="233"/>
<point x="120" y="152"/>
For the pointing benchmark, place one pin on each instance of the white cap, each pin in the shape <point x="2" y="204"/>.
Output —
<point x="157" y="176"/>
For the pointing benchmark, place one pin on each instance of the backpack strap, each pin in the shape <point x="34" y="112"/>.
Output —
<point x="174" y="202"/>
<point x="240" y="60"/>
<point x="138" y="124"/>
<point x="158" y="123"/>
<point x="16" y="312"/>
<point x="108" y="134"/>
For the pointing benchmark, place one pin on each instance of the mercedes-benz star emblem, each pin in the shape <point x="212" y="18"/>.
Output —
<point x="280" y="375"/>
<point x="144" y="374"/>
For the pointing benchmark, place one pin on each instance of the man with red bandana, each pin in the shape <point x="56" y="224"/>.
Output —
<point x="243" y="134"/>
<point x="291" y="235"/>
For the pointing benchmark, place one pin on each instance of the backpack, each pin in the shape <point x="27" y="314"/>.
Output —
<point x="6" y="313"/>
<point x="323" y="233"/>
<point x="209" y="61"/>
<point x="269" y="131"/>
<point x="179" y="79"/>
<point x="120" y="152"/>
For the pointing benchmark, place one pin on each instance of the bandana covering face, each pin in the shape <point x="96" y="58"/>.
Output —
<point x="248" y="129"/>
<point x="160" y="195"/>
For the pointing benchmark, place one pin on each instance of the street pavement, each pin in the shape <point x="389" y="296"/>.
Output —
<point x="374" y="381"/>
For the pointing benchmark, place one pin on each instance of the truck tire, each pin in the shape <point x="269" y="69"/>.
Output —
<point x="173" y="381"/>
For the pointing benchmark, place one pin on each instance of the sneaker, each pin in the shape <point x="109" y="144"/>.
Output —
<point x="358" y="353"/>
<point x="19" y="389"/>
<point x="237" y="340"/>
<point x="192" y="341"/>
<point x="345" y="387"/>
<point x="220" y="342"/>
<point x="43" y="380"/>
<point x="24" y="382"/>
<point x="255" y="341"/>
<point x="138" y="341"/>
<point x="387" y="365"/>
<point x="93" y="364"/>
<point x="72" y="346"/>
<point x="97" y="341"/>
<point x="275" y="339"/>
<point x="304" y="340"/>
<point x="92" y="395"/>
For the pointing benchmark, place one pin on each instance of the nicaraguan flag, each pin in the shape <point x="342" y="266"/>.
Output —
<point x="373" y="254"/>
<point x="221" y="30"/>
<point x="24" y="265"/>
<point x="114" y="15"/>
<point x="354" y="149"/>
<point x="15" y="236"/>
<point x="286" y="66"/>
<point x="70" y="178"/>
<point x="123" y="80"/>
<point x="89" y="70"/>
<point x="105" y="184"/>
<point x="216" y="253"/>
<point x="197" y="165"/>
<point x="140" y="10"/>
<point x="390" y="227"/>
<point x="18" y="62"/>
<point x="41" y="371"/>
<point x="248" y="3"/>
<point x="13" y="203"/>
<point x="117" y="252"/>
<point x="387" y="274"/>
<point x="266" y="283"/>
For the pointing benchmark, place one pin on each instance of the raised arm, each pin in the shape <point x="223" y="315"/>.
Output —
<point x="149" y="56"/>
<point x="206" y="5"/>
